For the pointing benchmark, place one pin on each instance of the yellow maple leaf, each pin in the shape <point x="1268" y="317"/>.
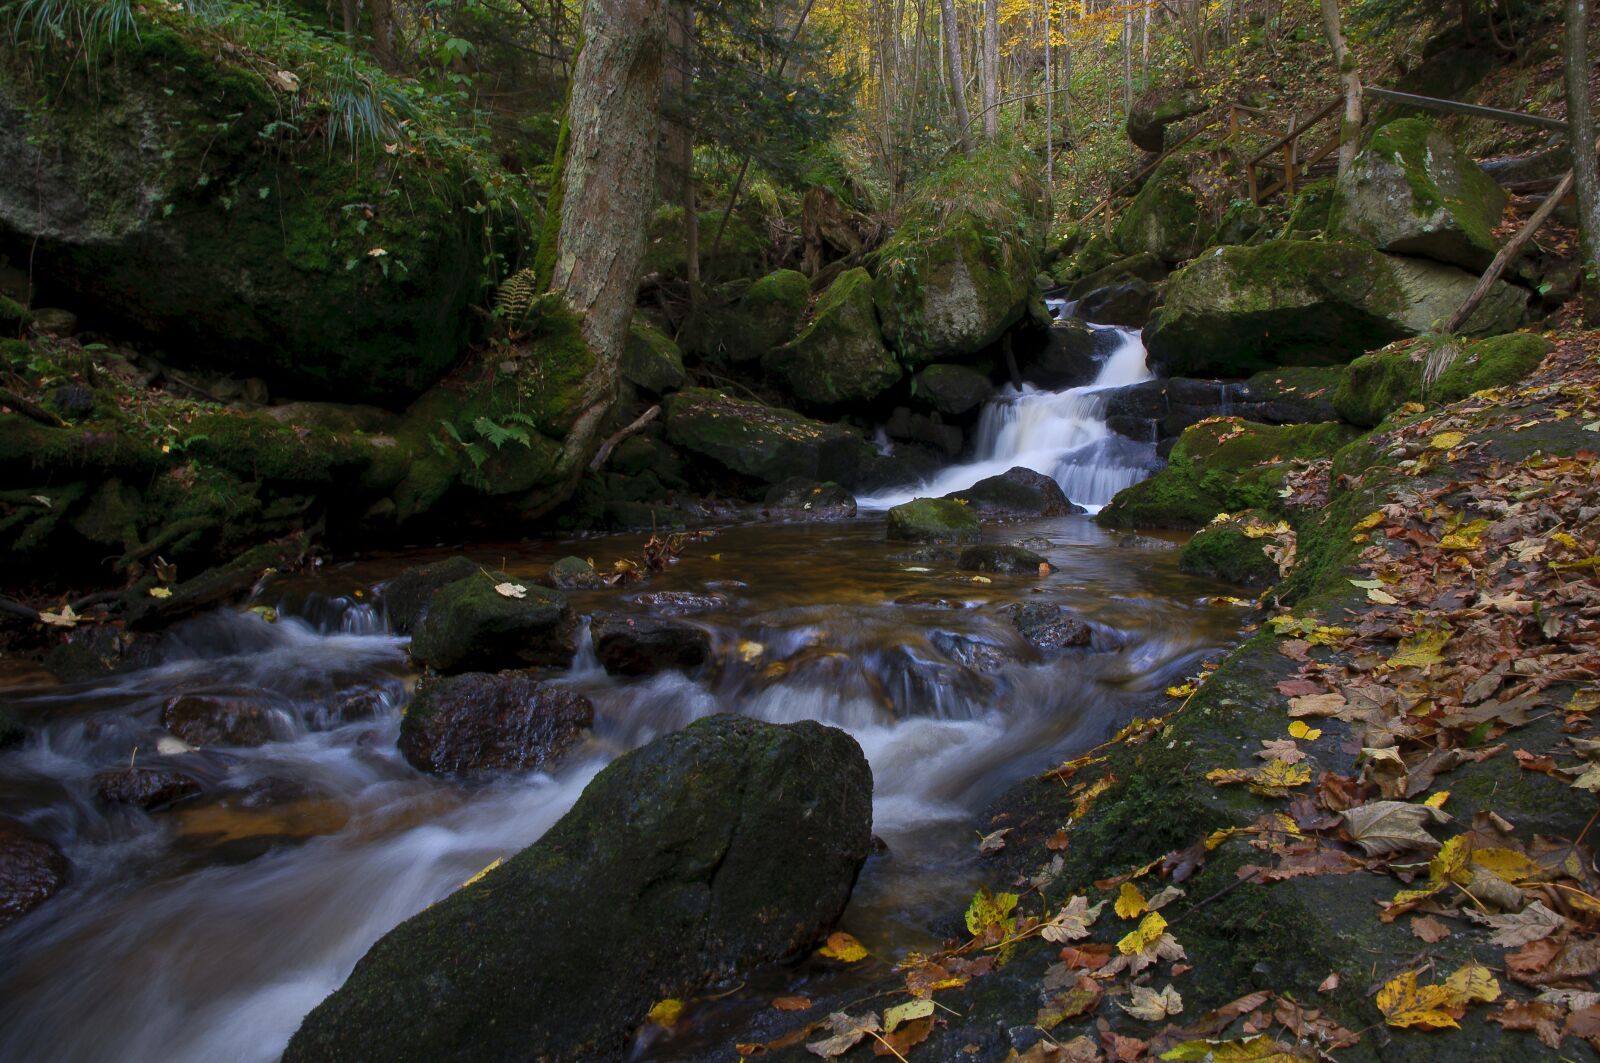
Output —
<point x="844" y="948"/>
<point x="1370" y="521"/>
<point x="1406" y="1004"/>
<point x="1437" y="800"/>
<point x="1148" y="932"/>
<point x="1447" y="440"/>
<point x="1508" y="864"/>
<point x="665" y="1013"/>
<point x="1474" y="982"/>
<point x="1130" y="902"/>
<point x="1299" y="729"/>
<point x="1420" y="650"/>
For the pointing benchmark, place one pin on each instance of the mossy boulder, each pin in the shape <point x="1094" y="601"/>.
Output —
<point x="765" y="443"/>
<point x="959" y="270"/>
<point x="342" y="271"/>
<point x="934" y="520"/>
<point x="651" y="361"/>
<point x="1288" y="395"/>
<point x="477" y="723"/>
<point x="1237" y="310"/>
<point x="1164" y="219"/>
<point x="768" y="315"/>
<point x="1221" y="466"/>
<point x="728" y="844"/>
<point x="1017" y="494"/>
<point x="1376" y="384"/>
<point x="1413" y="190"/>
<point x="1002" y="559"/>
<point x="952" y="389"/>
<point x="405" y="598"/>
<point x="1494" y="362"/>
<point x="469" y="626"/>
<point x="1152" y="113"/>
<point x="574" y="573"/>
<point x="840" y="356"/>
<point x="1223" y="550"/>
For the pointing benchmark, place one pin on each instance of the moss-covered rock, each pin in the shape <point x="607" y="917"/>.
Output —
<point x="1413" y="190"/>
<point x="1002" y="558"/>
<point x="766" y="443"/>
<point x="1238" y="310"/>
<point x="1154" y="111"/>
<point x="952" y="389"/>
<point x="1221" y="466"/>
<point x="574" y="573"/>
<point x="959" y="270"/>
<point x="934" y="520"/>
<point x="469" y="626"/>
<point x="1164" y="219"/>
<point x="728" y="844"/>
<point x="651" y="361"/>
<point x="1017" y="494"/>
<point x="840" y="357"/>
<point x="405" y="598"/>
<point x="1376" y="384"/>
<point x="341" y="271"/>
<point x="1223" y="550"/>
<point x="1494" y="362"/>
<point x="768" y="315"/>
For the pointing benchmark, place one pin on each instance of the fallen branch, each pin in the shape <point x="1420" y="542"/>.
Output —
<point x="1510" y="251"/>
<point x="609" y="445"/>
<point x="31" y="410"/>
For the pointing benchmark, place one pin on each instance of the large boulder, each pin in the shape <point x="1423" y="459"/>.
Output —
<point x="651" y="361"/>
<point x="644" y="645"/>
<point x="220" y="720"/>
<point x="1072" y="355"/>
<point x="1152" y="113"/>
<point x="766" y="443"/>
<point x="840" y="357"/>
<point x="802" y="499"/>
<point x="1375" y="385"/>
<point x="959" y="270"/>
<point x="1017" y="494"/>
<point x="934" y="520"/>
<point x="405" y="598"/>
<point x="1222" y="466"/>
<point x="1164" y="219"/>
<point x="767" y="316"/>
<point x="1232" y="550"/>
<point x="728" y="844"/>
<point x="470" y="626"/>
<point x="1237" y="310"/>
<point x="167" y="192"/>
<point x="476" y="723"/>
<point x="1414" y="191"/>
<point x="952" y="389"/>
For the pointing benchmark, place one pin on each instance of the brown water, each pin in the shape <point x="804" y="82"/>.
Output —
<point x="207" y="931"/>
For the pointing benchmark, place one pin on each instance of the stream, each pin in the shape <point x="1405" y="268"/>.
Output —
<point x="205" y="932"/>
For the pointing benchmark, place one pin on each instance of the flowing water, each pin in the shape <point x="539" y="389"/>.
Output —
<point x="1062" y="434"/>
<point x="206" y="932"/>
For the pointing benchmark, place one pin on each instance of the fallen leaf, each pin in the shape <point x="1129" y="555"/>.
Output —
<point x="1150" y="1006"/>
<point x="1544" y="1020"/>
<point x="847" y="1031"/>
<point x="665" y="1013"/>
<point x="1447" y="440"/>
<point x="1429" y="929"/>
<point x="1130" y="902"/>
<point x="994" y="841"/>
<point x="1072" y="922"/>
<point x="1384" y="827"/>
<point x="1329" y="984"/>
<point x="792" y="1003"/>
<point x="1515" y="929"/>
<point x="1330" y="704"/>
<point x="911" y="1009"/>
<point x="1474" y="982"/>
<point x="511" y="590"/>
<point x="904" y="1039"/>
<point x="844" y="948"/>
<point x="1405" y="1004"/>
<point x="161" y="592"/>
<point x="1301" y="730"/>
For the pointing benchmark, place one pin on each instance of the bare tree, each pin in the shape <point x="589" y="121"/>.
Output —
<point x="991" y="68"/>
<point x="958" y="80"/>
<point x="1350" y="80"/>
<point x="1049" y="109"/>
<point x="608" y="188"/>
<point x="1581" y="135"/>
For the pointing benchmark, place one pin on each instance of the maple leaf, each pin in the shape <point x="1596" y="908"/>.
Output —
<point x="844" y="948"/>
<point x="1384" y="827"/>
<point x="1514" y="929"/>
<point x="1259" y="1049"/>
<point x="1406" y="1004"/>
<point x="1072" y="922"/>
<point x="1429" y="929"/>
<point x="666" y="1012"/>
<point x="1300" y="729"/>
<point x="1130" y="902"/>
<point x="511" y="590"/>
<point x="1329" y="704"/>
<point x="990" y="909"/>
<point x="1474" y="982"/>
<point x="847" y="1030"/>
<point x="1150" y="1006"/>
<point x="903" y="1013"/>
<point x="1420" y="650"/>
<point x="994" y="841"/>
<point x="1282" y="749"/>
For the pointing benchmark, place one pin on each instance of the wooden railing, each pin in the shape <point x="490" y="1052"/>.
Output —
<point x="1283" y="157"/>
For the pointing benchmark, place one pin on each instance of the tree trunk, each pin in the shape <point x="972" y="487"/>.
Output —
<point x="1066" y="64"/>
<point x="676" y="173"/>
<point x="1127" y="61"/>
<point x="608" y="186"/>
<point x="991" y="69"/>
<point x="1581" y="137"/>
<point x="1049" y="113"/>
<point x="1350" y="79"/>
<point x="958" y="80"/>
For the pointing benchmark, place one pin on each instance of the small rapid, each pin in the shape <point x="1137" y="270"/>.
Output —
<point x="1062" y="434"/>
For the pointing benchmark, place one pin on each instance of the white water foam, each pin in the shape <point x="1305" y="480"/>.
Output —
<point x="1062" y="434"/>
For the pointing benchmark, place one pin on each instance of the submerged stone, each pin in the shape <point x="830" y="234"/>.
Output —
<point x="574" y="573"/>
<point x="215" y="720"/>
<point x="644" y="645"/>
<point x="151" y="788"/>
<point x="728" y="844"/>
<point x="1049" y="627"/>
<point x="1009" y="560"/>
<point x="476" y="723"/>
<point x="31" y="871"/>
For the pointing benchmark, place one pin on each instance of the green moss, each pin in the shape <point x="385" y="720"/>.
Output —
<point x="742" y="253"/>
<point x="839" y="357"/>
<point x="769" y="315"/>
<point x="1223" y="551"/>
<point x="1376" y="384"/>
<point x="934" y="520"/>
<point x="651" y="360"/>
<point x="254" y="446"/>
<point x="1490" y="363"/>
<point x="1164" y="218"/>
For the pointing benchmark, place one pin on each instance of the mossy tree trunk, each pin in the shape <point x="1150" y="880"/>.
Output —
<point x="608" y="182"/>
<point x="1350" y="81"/>
<point x="1581" y="135"/>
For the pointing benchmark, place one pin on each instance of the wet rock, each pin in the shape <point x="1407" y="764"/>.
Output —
<point x="802" y="499"/>
<point x="1291" y="395"/>
<point x="972" y="652"/>
<point x="476" y="723"/>
<point x="680" y="603"/>
<point x="764" y="442"/>
<point x="905" y="426"/>
<point x="934" y="520"/>
<point x="952" y="389"/>
<point x="1223" y="551"/>
<point x="1017" y="494"/>
<point x="151" y="788"/>
<point x="405" y="598"/>
<point x="573" y="574"/>
<point x="349" y="706"/>
<point x="469" y="626"/>
<point x="31" y="871"/>
<point x="935" y="555"/>
<point x="1071" y="356"/>
<point x="644" y="645"/>
<point x="727" y="844"/>
<point x="650" y="360"/>
<point x="1006" y="560"/>
<point x="840" y="356"/>
<point x="1127" y="303"/>
<point x="12" y="732"/>
<point x="218" y="720"/>
<point x="1142" y="267"/>
<point x="1049" y="627"/>
<point x="1414" y="191"/>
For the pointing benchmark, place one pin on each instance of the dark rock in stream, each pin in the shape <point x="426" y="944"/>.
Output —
<point x="405" y="597"/>
<point x="933" y="520"/>
<point x="217" y="720"/>
<point x="1049" y="627"/>
<point x="574" y="573"/>
<point x="471" y="627"/>
<point x="725" y="845"/>
<point x="680" y="603"/>
<point x="1017" y="494"/>
<point x="467" y="724"/>
<point x="31" y="871"/>
<point x="1006" y="560"/>
<point x="12" y="732"/>
<point x="801" y="499"/>
<point x="151" y="788"/>
<point x="644" y="645"/>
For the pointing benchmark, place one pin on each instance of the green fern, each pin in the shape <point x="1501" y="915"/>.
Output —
<point x="499" y="435"/>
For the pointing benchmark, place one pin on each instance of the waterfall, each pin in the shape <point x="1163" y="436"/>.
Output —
<point x="1062" y="434"/>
